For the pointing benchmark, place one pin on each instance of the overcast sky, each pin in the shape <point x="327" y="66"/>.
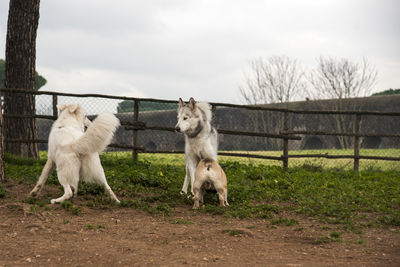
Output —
<point x="181" y="48"/>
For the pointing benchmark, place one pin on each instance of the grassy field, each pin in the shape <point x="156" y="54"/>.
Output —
<point x="340" y="164"/>
<point x="256" y="188"/>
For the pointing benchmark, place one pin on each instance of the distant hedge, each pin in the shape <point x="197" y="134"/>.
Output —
<point x="127" y="106"/>
<point x="388" y="92"/>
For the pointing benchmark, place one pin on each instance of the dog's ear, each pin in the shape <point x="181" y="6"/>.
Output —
<point x="192" y="103"/>
<point x="61" y="107"/>
<point x="87" y="122"/>
<point x="181" y="104"/>
<point x="74" y="108"/>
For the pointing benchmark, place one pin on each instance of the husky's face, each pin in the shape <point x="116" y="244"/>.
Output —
<point x="74" y="112"/>
<point x="189" y="118"/>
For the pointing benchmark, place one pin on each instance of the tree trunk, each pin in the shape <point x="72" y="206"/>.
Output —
<point x="23" y="19"/>
<point x="2" y="167"/>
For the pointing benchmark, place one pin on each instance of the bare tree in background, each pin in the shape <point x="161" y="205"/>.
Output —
<point x="277" y="79"/>
<point x="342" y="79"/>
<point x="23" y="19"/>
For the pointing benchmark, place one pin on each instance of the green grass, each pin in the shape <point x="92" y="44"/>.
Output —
<point x="340" y="164"/>
<point x="90" y="226"/>
<point x="333" y="237"/>
<point x="183" y="221"/>
<point x="68" y="205"/>
<point x="284" y="221"/>
<point x="255" y="190"/>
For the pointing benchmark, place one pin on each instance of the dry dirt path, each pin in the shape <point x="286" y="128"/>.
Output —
<point x="118" y="236"/>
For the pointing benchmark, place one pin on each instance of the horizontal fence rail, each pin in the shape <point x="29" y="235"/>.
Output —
<point x="250" y="107"/>
<point x="286" y="134"/>
<point x="340" y="134"/>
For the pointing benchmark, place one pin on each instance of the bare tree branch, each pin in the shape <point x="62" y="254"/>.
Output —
<point x="277" y="79"/>
<point x="341" y="79"/>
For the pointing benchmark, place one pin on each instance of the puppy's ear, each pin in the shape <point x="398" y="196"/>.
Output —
<point x="74" y="108"/>
<point x="61" y="107"/>
<point x="192" y="103"/>
<point x="181" y="104"/>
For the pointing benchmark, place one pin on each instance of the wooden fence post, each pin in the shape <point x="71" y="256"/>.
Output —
<point x="213" y="112"/>
<point x="135" y="132"/>
<point x="357" y="126"/>
<point x="55" y="102"/>
<point x="2" y="165"/>
<point x="285" y="140"/>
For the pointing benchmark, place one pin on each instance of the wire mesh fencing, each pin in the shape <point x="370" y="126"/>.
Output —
<point x="289" y="137"/>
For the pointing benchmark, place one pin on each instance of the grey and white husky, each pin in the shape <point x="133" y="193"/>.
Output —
<point x="194" y="121"/>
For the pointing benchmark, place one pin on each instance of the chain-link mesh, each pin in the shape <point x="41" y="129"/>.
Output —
<point x="326" y="137"/>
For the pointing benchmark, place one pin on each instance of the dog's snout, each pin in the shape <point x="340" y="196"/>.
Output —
<point x="178" y="129"/>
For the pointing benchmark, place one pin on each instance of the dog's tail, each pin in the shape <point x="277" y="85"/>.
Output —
<point x="208" y="167"/>
<point x="208" y="163"/>
<point x="97" y="136"/>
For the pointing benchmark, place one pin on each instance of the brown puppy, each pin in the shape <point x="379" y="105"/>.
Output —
<point x="209" y="176"/>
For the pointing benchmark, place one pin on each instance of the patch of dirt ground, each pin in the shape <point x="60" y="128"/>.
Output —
<point x="119" y="236"/>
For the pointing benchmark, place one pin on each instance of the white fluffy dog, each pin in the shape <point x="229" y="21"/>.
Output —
<point x="75" y="152"/>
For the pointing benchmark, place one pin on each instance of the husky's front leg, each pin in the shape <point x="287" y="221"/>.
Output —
<point x="191" y="164"/>
<point x="192" y="172"/>
<point x="186" y="182"/>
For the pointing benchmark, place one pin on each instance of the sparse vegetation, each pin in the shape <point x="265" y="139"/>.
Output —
<point x="68" y="205"/>
<point x="90" y="226"/>
<point x="2" y="191"/>
<point x="333" y="237"/>
<point x="183" y="221"/>
<point x="284" y="221"/>
<point x="351" y="201"/>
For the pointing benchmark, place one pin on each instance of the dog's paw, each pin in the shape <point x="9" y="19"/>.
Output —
<point x="189" y="196"/>
<point x="53" y="201"/>
<point x="35" y="191"/>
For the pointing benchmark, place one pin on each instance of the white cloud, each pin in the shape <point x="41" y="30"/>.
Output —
<point x="82" y="80"/>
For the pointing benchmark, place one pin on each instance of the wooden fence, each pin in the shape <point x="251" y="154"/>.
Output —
<point x="285" y="134"/>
